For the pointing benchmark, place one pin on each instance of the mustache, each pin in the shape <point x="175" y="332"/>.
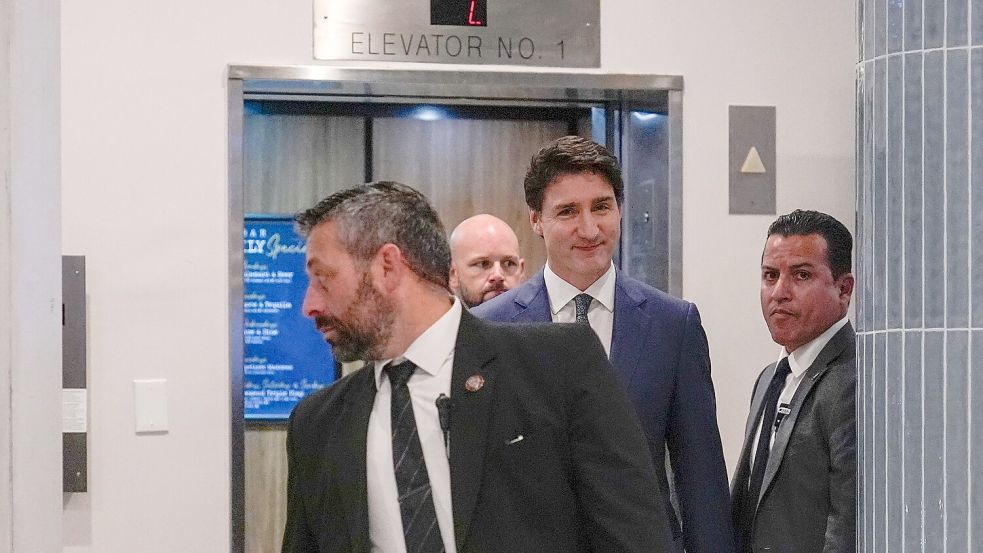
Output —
<point x="497" y="287"/>
<point x="322" y="321"/>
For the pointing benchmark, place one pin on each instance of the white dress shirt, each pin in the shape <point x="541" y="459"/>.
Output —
<point x="799" y="362"/>
<point x="433" y="353"/>
<point x="600" y="314"/>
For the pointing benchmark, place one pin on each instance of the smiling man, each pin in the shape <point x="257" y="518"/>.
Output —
<point x="458" y="435"/>
<point x="485" y="259"/>
<point x="574" y="191"/>
<point x="795" y="487"/>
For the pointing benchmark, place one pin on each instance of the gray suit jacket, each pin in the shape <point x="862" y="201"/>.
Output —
<point x="808" y="497"/>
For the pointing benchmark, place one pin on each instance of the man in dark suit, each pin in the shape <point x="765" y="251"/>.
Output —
<point x="459" y="435"/>
<point x="795" y="488"/>
<point x="656" y="343"/>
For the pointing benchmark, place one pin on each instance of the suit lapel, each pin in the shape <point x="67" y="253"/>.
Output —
<point x="532" y="302"/>
<point x="750" y="430"/>
<point x="630" y="322"/>
<point x="836" y="346"/>
<point x="355" y="426"/>
<point x="470" y="413"/>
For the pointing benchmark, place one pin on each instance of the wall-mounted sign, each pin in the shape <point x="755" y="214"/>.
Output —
<point x="285" y="357"/>
<point x="558" y="33"/>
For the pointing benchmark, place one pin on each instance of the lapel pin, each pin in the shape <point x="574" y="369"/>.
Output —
<point x="474" y="383"/>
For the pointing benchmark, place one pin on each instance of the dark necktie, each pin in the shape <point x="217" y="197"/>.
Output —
<point x="581" y="303"/>
<point x="416" y="508"/>
<point x="766" y="419"/>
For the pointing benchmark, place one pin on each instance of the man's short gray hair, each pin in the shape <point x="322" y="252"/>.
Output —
<point x="372" y="215"/>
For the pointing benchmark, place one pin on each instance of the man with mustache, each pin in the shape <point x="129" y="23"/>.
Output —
<point x="574" y="191"/>
<point x="795" y="488"/>
<point x="458" y="435"/>
<point x="485" y="259"/>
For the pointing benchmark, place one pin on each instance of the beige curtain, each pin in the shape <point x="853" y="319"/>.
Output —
<point x="292" y="161"/>
<point x="467" y="167"/>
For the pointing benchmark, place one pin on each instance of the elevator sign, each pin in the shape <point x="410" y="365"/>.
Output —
<point x="556" y="33"/>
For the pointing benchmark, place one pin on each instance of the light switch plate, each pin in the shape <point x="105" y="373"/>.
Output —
<point x="150" y="405"/>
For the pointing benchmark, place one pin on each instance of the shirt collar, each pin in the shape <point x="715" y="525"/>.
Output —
<point x="560" y="292"/>
<point x="432" y="348"/>
<point x="805" y="355"/>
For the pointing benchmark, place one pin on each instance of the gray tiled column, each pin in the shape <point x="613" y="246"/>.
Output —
<point x="920" y="275"/>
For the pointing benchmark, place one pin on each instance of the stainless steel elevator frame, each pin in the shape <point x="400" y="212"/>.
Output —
<point x="322" y="82"/>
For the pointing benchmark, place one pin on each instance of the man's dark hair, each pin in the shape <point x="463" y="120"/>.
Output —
<point x="570" y="155"/>
<point x="372" y="215"/>
<point x="839" y="241"/>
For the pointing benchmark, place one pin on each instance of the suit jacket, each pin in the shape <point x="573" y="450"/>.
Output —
<point x="808" y="497"/>
<point x="578" y="481"/>
<point x="660" y="354"/>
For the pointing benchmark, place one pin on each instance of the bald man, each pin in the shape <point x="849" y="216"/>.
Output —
<point x="485" y="259"/>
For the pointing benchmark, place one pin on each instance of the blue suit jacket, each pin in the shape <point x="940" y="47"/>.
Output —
<point x="660" y="352"/>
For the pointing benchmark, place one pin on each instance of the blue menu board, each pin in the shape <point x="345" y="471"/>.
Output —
<point x="285" y="358"/>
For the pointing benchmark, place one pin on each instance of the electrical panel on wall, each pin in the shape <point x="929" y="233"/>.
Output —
<point x="74" y="391"/>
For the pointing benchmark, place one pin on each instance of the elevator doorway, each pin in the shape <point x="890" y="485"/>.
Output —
<point x="298" y="134"/>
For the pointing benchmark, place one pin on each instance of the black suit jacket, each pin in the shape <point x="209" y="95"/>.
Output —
<point x="809" y="493"/>
<point x="580" y="480"/>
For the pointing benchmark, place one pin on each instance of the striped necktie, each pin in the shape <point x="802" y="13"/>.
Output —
<point x="416" y="508"/>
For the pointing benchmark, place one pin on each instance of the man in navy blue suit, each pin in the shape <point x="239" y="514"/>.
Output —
<point x="655" y="342"/>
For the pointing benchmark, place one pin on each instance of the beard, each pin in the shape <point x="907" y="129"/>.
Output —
<point x="474" y="298"/>
<point x="365" y="327"/>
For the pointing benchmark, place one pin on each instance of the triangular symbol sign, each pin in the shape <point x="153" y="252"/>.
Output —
<point x="752" y="163"/>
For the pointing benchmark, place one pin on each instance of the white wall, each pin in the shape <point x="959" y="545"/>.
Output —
<point x="6" y="273"/>
<point x="797" y="56"/>
<point x="144" y="198"/>
<point x="30" y="278"/>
